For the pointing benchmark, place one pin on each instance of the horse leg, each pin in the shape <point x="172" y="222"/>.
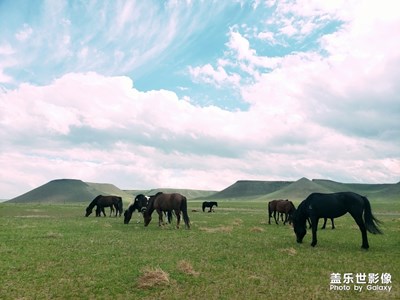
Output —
<point x="333" y="223"/>
<point x="276" y="222"/>
<point x="286" y="218"/>
<point x="178" y="218"/>
<point x="314" y="227"/>
<point x="170" y="216"/>
<point x="160" y="217"/>
<point x="269" y="217"/>
<point x="363" y="229"/>
<point x="323" y="226"/>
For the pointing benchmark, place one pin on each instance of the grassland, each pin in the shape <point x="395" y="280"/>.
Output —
<point x="53" y="252"/>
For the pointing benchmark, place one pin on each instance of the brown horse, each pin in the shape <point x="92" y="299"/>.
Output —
<point x="285" y="207"/>
<point x="105" y="201"/>
<point x="272" y="209"/>
<point x="165" y="203"/>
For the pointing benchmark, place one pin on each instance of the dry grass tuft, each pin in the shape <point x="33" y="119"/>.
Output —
<point x="153" y="277"/>
<point x="53" y="235"/>
<point x="225" y="229"/>
<point x="237" y="222"/>
<point x="291" y="251"/>
<point x="257" y="229"/>
<point x="187" y="268"/>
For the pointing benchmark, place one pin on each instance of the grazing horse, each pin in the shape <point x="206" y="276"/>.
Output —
<point x="210" y="205"/>
<point x="140" y="202"/>
<point x="166" y="203"/>
<point x="287" y="208"/>
<point x="105" y="201"/>
<point x="334" y="205"/>
<point x="272" y="209"/>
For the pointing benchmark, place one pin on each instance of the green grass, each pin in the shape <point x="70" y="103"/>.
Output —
<point x="53" y="252"/>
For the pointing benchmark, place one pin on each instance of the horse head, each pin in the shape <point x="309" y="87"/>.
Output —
<point x="127" y="217"/>
<point x="299" y="226"/>
<point x="88" y="211"/>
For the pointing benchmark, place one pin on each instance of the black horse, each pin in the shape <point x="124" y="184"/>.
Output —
<point x="140" y="202"/>
<point x="209" y="204"/>
<point x="105" y="201"/>
<point x="167" y="203"/>
<point x="334" y="205"/>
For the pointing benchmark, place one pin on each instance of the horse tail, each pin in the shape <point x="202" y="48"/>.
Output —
<point x="203" y="206"/>
<point x="184" y="211"/>
<point x="270" y="210"/>
<point x="121" y="205"/>
<point x="371" y="223"/>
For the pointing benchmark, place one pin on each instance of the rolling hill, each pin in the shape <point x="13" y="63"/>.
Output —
<point x="250" y="188"/>
<point x="300" y="189"/>
<point x="69" y="191"/>
<point x="189" y="193"/>
<point x="77" y="191"/>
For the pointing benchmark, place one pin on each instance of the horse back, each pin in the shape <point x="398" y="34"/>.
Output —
<point x="333" y="205"/>
<point x="167" y="202"/>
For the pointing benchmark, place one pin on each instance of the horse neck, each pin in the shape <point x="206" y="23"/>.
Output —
<point x="93" y="203"/>
<point x="302" y="211"/>
<point x="132" y="207"/>
<point x="150" y="206"/>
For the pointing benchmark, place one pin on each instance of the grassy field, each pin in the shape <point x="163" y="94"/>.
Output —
<point x="54" y="252"/>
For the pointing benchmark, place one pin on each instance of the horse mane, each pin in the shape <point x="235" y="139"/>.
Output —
<point x="300" y="212"/>
<point x="94" y="202"/>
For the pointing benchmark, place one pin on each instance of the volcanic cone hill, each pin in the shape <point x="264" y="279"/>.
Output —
<point x="250" y="188"/>
<point x="69" y="191"/>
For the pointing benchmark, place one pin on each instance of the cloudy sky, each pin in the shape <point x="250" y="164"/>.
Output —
<point x="198" y="94"/>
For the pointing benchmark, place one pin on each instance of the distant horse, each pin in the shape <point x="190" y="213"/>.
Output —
<point x="334" y="205"/>
<point x="323" y="226"/>
<point x="140" y="202"/>
<point x="166" y="203"/>
<point x="272" y="209"/>
<point x="210" y="205"/>
<point x="287" y="208"/>
<point x="112" y="210"/>
<point x="105" y="201"/>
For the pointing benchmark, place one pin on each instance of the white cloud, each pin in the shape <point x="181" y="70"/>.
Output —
<point x="100" y="128"/>
<point x="24" y="33"/>
<point x="217" y="76"/>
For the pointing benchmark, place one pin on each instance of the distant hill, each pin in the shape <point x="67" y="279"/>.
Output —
<point x="387" y="191"/>
<point x="298" y="190"/>
<point x="68" y="191"/>
<point x="248" y="188"/>
<point x="77" y="191"/>
<point x="188" y="193"/>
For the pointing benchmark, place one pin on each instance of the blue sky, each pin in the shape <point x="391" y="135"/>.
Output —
<point x="198" y="94"/>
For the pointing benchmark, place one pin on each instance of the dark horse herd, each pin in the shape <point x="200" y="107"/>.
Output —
<point x="314" y="207"/>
